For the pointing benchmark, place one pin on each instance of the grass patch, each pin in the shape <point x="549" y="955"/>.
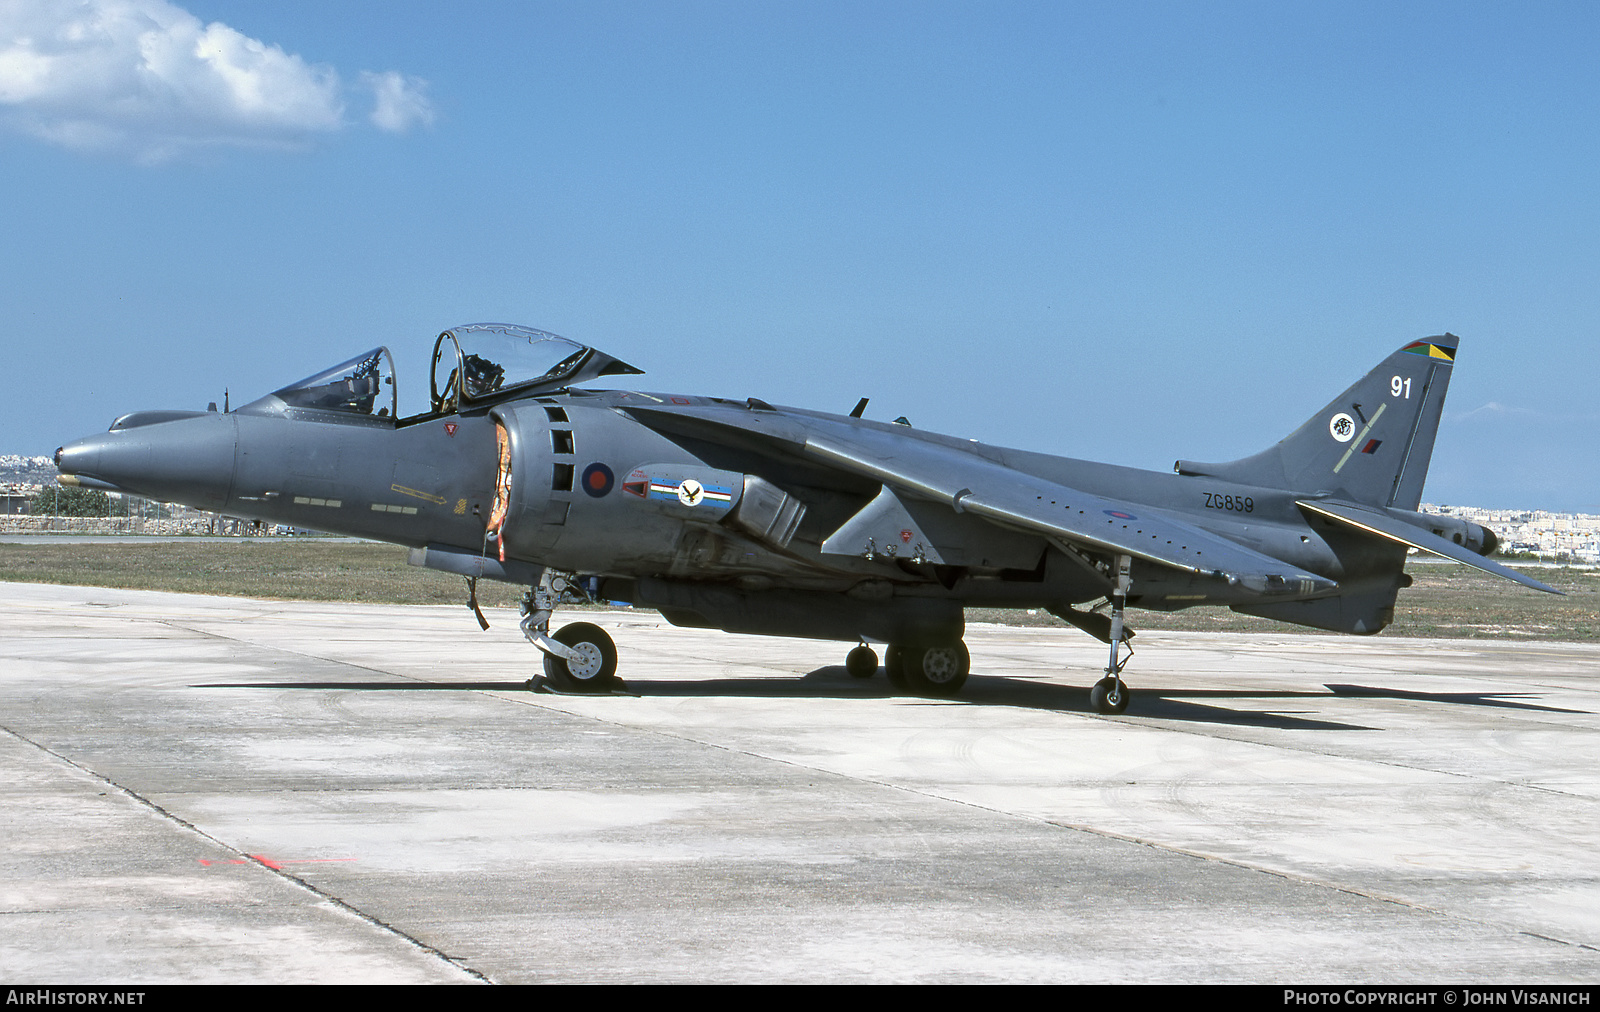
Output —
<point x="283" y="570"/>
<point x="1444" y="601"/>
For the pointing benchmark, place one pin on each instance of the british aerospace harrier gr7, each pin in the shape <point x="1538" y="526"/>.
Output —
<point x="754" y="518"/>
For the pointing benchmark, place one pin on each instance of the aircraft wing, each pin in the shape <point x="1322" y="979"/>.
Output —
<point x="970" y="483"/>
<point x="1383" y="525"/>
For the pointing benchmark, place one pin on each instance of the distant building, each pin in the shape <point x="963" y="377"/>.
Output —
<point x="16" y="497"/>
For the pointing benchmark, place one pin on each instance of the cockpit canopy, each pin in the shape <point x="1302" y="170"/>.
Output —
<point x="482" y="360"/>
<point x="472" y="363"/>
<point x="357" y="386"/>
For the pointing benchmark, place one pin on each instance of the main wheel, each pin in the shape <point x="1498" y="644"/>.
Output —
<point x="595" y="670"/>
<point x="861" y="662"/>
<point x="1109" y="695"/>
<point x="937" y="670"/>
<point x="894" y="666"/>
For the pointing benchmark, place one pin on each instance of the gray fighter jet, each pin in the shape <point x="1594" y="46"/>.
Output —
<point x="743" y="516"/>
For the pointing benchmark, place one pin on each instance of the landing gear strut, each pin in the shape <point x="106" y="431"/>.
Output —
<point x="1109" y="695"/>
<point x="580" y="657"/>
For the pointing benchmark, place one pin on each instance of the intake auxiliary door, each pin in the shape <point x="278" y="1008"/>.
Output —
<point x="534" y="477"/>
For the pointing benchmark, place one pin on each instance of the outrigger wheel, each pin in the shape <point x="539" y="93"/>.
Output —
<point x="1109" y="695"/>
<point x="595" y="670"/>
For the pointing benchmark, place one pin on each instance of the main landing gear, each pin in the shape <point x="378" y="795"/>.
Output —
<point x="580" y="657"/>
<point x="925" y="670"/>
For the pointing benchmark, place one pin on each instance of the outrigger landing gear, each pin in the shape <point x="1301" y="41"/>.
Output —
<point x="580" y="657"/>
<point x="1109" y="695"/>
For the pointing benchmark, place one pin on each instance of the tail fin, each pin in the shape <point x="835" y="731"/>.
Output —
<point x="1371" y="444"/>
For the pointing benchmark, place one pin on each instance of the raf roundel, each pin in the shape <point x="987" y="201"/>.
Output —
<point x="597" y="480"/>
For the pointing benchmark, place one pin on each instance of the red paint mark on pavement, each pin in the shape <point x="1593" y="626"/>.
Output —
<point x="276" y="864"/>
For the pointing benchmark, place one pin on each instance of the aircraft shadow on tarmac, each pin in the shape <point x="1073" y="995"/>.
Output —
<point x="832" y="681"/>
<point x="1509" y="700"/>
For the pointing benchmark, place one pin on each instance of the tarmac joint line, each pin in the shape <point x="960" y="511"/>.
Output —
<point x="269" y="866"/>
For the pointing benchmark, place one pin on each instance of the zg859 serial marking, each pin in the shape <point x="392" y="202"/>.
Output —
<point x="1237" y="503"/>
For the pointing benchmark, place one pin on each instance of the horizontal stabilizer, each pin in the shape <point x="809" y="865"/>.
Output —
<point x="1382" y="525"/>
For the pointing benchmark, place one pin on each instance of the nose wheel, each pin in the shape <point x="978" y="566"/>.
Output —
<point x="579" y="657"/>
<point x="592" y="666"/>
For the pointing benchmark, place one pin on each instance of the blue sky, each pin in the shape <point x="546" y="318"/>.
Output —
<point x="1130" y="232"/>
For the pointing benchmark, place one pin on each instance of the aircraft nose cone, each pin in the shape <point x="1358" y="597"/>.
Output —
<point x="189" y="460"/>
<point x="80" y="457"/>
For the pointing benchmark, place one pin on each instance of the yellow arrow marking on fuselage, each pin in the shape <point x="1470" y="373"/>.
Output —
<point x="437" y="500"/>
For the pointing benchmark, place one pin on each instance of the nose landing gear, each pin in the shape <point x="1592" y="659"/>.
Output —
<point x="594" y="666"/>
<point x="580" y="657"/>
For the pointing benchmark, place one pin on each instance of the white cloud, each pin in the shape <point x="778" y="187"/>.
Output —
<point x="1497" y="412"/>
<point x="147" y="78"/>
<point x="402" y="102"/>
